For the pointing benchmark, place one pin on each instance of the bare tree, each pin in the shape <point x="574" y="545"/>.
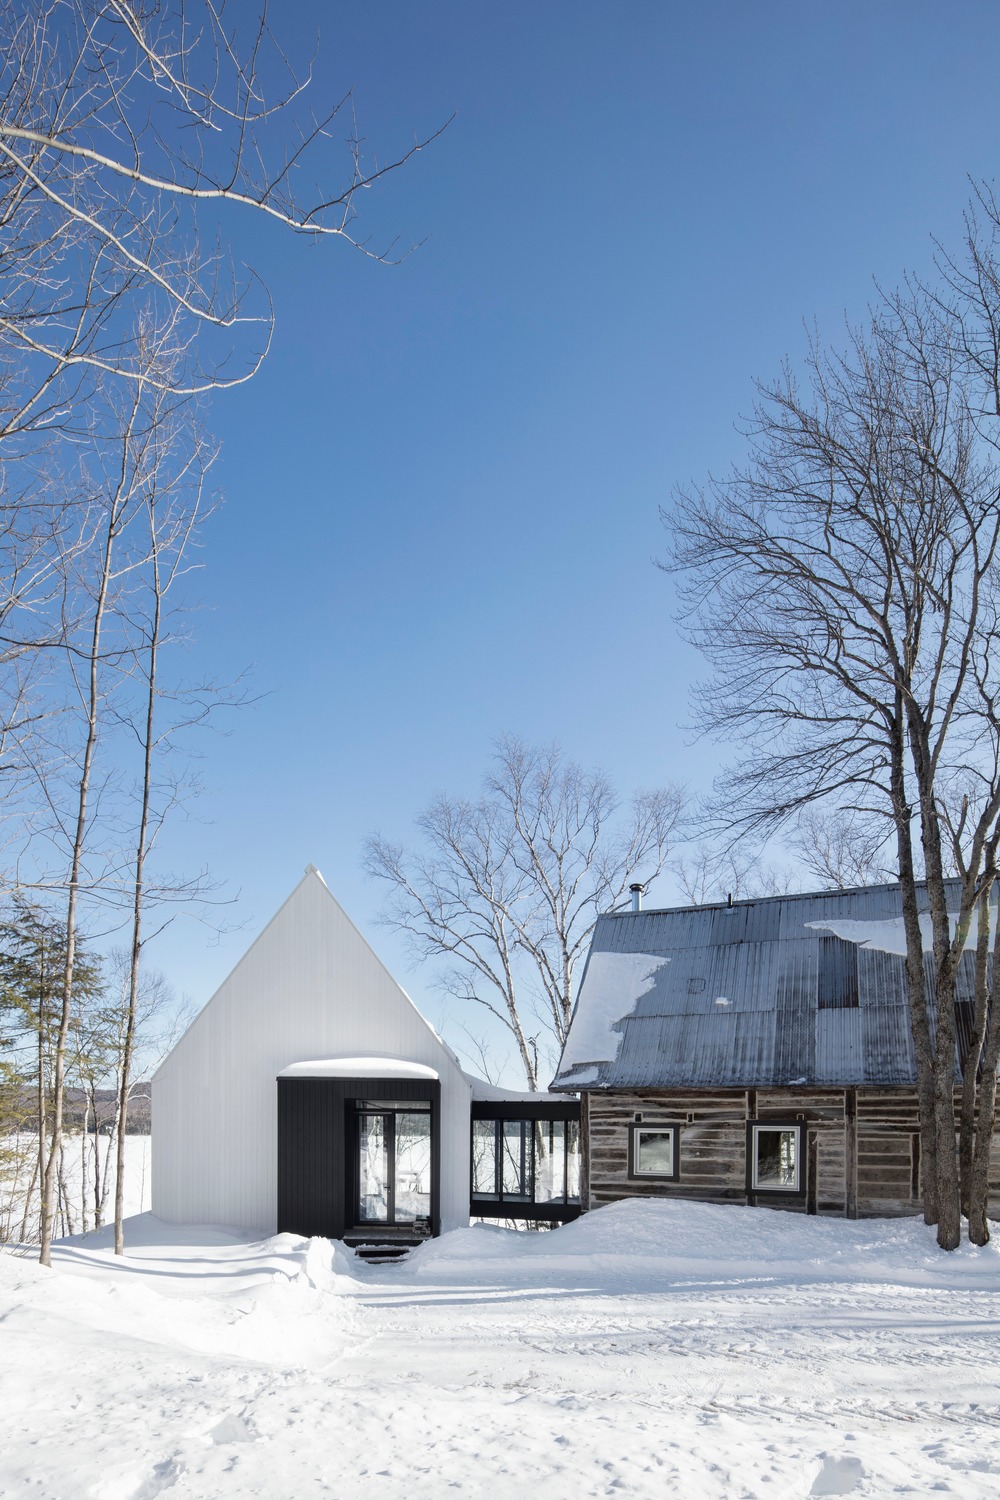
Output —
<point x="95" y="647"/>
<point x="176" y="460"/>
<point x="507" y="888"/>
<point x="130" y="137"/>
<point x="120" y="124"/>
<point x="844" y="586"/>
<point x="123" y="127"/>
<point x="710" y="873"/>
<point x="842" y="850"/>
<point x="89" y="658"/>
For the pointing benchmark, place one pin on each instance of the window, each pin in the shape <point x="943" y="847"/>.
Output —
<point x="653" y="1153"/>
<point x="774" y="1158"/>
<point x="525" y="1163"/>
<point x="394" y="1161"/>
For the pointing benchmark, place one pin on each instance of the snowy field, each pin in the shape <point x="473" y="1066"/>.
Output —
<point x="78" y="1177"/>
<point x="651" y="1349"/>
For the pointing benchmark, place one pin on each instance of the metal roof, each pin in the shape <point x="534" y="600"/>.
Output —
<point x="749" y="995"/>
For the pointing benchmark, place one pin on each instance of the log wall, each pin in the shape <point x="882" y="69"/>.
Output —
<point x="861" y="1147"/>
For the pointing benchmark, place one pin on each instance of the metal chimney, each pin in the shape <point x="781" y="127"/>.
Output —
<point x="635" y="891"/>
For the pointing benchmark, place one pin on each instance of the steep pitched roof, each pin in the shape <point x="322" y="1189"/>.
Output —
<point x="308" y="980"/>
<point x="803" y="989"/>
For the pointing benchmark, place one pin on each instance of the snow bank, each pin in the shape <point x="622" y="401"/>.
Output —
<point x="644" y="1243"/>
<point x="276" y="1300"/>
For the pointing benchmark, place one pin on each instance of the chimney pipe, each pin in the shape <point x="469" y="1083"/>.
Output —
<point x="635" y="891"/>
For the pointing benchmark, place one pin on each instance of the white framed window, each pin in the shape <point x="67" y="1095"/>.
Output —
<point x="774" y="1157"/>
<point x="653" y="1153"/>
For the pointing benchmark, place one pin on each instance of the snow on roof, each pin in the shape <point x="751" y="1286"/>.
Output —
<point x="577" y="1077"/>
<point x="889" y="935"/>
<point x="358" y="1067"/>
<point x="491" y="1093"/>
<point x="783" y="990"/>
<point x="614" y="984"/>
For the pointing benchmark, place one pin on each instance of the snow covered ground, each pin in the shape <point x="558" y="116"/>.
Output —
<point x="651" y="1349"/>
<point x="78" y="1173"/>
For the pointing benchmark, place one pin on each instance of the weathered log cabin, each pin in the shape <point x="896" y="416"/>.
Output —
<point x="753" y="1052"/>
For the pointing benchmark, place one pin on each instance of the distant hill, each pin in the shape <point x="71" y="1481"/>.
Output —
<point x="75" y="1107"/>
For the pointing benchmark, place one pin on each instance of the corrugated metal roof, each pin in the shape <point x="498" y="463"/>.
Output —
<point x="748" y="995"/>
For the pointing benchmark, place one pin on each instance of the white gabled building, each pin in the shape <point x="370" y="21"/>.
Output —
<point x="311" y="1095"/>
<point x="309" y="995"/>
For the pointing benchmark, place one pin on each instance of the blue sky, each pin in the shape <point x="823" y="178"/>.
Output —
<point x="442" y="490"/>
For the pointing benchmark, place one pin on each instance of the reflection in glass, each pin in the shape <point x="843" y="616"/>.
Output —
<point x="776" y="1162"/>
<point x="373" y="1205"/>
<point x="484" y="1158"/>
<point x="516" y="1173"/>
<point x="654" y="1153"/>
<point x="526" y="1161"/>
<point x="413" y="1167"/>
<point x="550" y="1160"/>
<point x="572" y="1161"/>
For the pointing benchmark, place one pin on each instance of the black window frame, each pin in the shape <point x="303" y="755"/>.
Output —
<point x="528" y="1116"/>
<point x="654" y="1127"/>
<point x="770" y="1193"/>
<point x="388" y="1109"/>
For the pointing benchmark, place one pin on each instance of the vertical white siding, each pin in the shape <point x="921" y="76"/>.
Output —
<point x="309" y="987"/>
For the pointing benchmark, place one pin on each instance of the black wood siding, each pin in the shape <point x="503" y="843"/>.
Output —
<point x="316" y="1169"/>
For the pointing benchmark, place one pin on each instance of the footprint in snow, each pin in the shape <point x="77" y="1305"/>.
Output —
<point x="837" y="1476"/>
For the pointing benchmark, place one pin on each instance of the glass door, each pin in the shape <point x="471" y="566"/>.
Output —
<point x="412" y="1166"/>
<point x="374" y="1176"/>
<point x="394" y="1163"/>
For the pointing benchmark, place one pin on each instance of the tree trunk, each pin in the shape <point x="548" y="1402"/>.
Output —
<point x="916" y="976"/>
<point x="84" y="1141"/>
<point x="138" y="890"/>
<point x="979" y="1176"/>
<point x="970" y="1063"/>
<point x="65" y="1208"/>
<point x="979" y="1183"/>
<point x="79" y="833"/>
<point x="98" y="1201"/>
<point x="947" y="947"/>
<point x="41" y="1115"/>
<point x="28" y="1197"/>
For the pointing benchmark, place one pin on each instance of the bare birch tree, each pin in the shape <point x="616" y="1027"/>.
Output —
<point x="176" y="461"/>
<point x="843" y="585"/>
<point x="132" y="138"/>
<point x="126" y="131"/>
<point x="842" y="850"/>
<point x="92" y="653"/>
<point x="507" y="888"/>
<point x="121" y="124"/>
<point x="708" y="873"/>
